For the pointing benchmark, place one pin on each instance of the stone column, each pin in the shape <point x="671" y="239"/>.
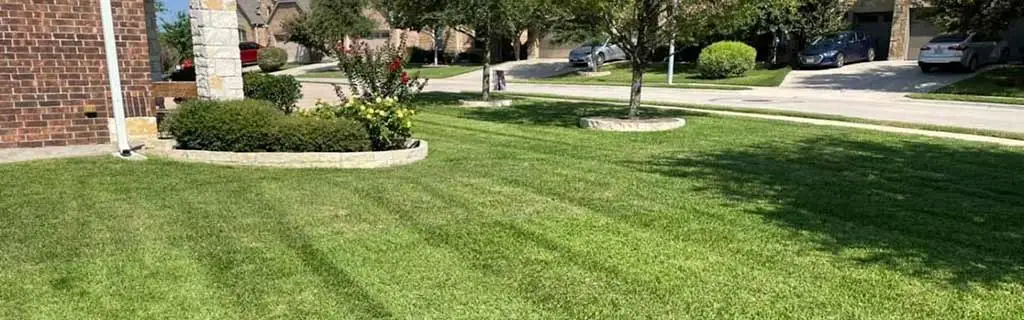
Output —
<point x="533" y="39"/>
<point x="215" y="44"/>
<point x="899" y="39"/>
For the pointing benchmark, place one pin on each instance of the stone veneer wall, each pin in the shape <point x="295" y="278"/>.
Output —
<point x="53" y="75"/>
<point x="215" y="44"/>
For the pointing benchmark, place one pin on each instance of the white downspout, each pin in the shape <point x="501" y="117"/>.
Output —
<point x="114" y="77"/>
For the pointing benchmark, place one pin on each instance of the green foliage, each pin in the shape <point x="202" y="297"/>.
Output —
<point x="378" y="74"/>
<point x="988" y="16"/>
<point x="283" y="91"/>
<point x="176" y="38"/>
<point x="329" y="22"/>
<point x="820" y="17"/>
<point x="305" y="134"/>
<point x="726" y="59"/>
<point x="388" y="122"/>
<point x="257" y="126"/>
<point x="271" y="59"/>
<point x="300" y="31"/>
<point x="222" y="126"/>
<point x="639" y="27"/>
<point x="416" y="15"/>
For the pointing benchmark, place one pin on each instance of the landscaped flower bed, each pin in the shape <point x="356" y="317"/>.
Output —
<point x="373" y="128"/>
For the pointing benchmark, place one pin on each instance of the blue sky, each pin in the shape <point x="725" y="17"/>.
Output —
<point x="173" y="6"/>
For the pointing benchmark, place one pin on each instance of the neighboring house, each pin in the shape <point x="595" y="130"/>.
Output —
<point x="53" y="76"/>
<point x="875" y="17"/>
<point x="263" y="22"/>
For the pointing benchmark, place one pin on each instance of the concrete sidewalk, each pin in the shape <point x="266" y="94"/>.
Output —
<point x="882" y="98"/>
<point x="859" y="104"/>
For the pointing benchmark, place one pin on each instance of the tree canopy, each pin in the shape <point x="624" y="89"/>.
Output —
<point x="641" y="26"/>
<point x="329" y="22"/>
<point x="177" y="35"/>
<point x="989" y="16"/>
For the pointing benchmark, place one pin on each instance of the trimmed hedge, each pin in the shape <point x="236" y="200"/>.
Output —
<point x="726" y="59"/>
<point x="257" y="126"/>
<point x="282" y="91"/>
<point x="271" y="59"/>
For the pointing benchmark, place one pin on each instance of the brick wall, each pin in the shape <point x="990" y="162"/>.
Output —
<point x="53" y="70"/>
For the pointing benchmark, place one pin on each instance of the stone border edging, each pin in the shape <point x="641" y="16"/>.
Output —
<point x="337" y="160"/>
<point x="632" y="125"/>
<point x="485" y="104"/>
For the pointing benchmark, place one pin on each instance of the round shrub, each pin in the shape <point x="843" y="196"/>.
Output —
<point x="305" y="134"/>
<point x="271" y="59"/>
<point x="257" y="126"/>
<point x="222" y="125"/>
<point x="726" y="59"/>
<point x="282" y="91"/>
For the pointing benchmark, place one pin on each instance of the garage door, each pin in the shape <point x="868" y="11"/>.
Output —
<point x="878" y="25"/>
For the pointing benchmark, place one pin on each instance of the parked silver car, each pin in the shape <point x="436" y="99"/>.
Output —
<point x="604" y="52"/>
<point x="963" y="51"/>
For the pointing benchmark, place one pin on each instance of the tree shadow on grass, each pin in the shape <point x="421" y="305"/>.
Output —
<point x="953" y="214"/>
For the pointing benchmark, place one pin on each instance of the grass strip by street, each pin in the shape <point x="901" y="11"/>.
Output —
<point x="966" y="98"/>
<point x="686" y="76"/>
<point x="518" y="213"/>
<point x="646" y="84"/>
<point x="1000" y="85"/>
<point x="950" y="129"/>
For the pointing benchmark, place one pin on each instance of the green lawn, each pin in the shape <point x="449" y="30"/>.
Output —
<point x="519" y="214"/>
<point x="685" y="77"/>
<point x="430" y="73"/>
<point x="1003" y="85"/>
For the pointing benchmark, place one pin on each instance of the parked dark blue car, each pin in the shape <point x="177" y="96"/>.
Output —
<point x="838" y="49"/>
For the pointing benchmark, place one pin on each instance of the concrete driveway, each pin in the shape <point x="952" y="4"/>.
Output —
<point x="879" y="76"/>
<point x="524" y="69"/>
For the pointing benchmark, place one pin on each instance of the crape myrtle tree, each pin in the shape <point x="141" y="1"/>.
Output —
<point x="641" y="26"/>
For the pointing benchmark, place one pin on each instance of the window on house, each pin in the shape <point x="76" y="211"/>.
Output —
<point x="872" y="17"/>
<point x="242" y="36"/>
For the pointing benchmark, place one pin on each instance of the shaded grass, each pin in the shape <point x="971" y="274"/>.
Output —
<point x="685" y="77"/>
<point x="980" y="132"/>
<point x="1002" y="85"/>
<point x="518" y="214"/>
<point x="412" y="69"/>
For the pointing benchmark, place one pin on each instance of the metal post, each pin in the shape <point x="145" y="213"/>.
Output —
<point x="114" y="78"/>
<point x="672" y="46"/>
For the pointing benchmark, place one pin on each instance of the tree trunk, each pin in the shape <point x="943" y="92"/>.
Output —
<point x="594" y="66"/>
<point x="487" y="71"/>
<point x="898" y="42"/>
<point x="635" y="90"/>
<point x="533" y="37"/>
<point x="517" y="45"/>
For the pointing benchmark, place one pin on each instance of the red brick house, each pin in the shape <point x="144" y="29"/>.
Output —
<point x="53" y="77"/>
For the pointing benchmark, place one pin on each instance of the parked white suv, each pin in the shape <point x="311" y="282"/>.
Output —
<point x="963" y="51"/>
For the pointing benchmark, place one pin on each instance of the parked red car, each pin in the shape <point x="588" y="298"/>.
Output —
<point x="250" y="52"/>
